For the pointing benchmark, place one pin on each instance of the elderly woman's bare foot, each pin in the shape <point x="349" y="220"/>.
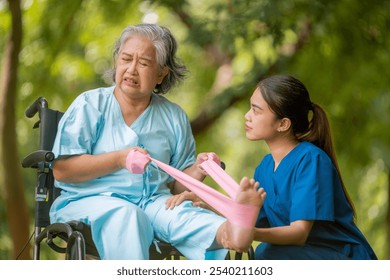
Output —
<point x="250" y="194"/>
<point x="238" y="237"/>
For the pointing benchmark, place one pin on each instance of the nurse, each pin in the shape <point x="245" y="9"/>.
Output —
<point x="307" y="213"/>
<point x="127" y="211"/>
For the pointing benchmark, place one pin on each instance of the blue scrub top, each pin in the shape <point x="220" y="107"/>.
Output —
<point x="93" y="124"/>
<point x="306" y="186"/>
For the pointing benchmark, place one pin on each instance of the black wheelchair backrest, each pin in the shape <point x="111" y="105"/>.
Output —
<point x="45" y="193"/>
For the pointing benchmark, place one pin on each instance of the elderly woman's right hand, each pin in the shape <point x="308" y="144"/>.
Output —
<point x="125" y="152"/>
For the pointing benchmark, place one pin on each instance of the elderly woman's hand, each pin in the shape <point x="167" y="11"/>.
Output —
<point x="177" y="199"/>
<point x="124" y="154"/>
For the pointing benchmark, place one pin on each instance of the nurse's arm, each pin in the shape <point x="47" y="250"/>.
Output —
<point x="294" y="234"/>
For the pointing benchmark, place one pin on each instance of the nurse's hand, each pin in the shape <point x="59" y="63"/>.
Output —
<point x="203" y="157"/>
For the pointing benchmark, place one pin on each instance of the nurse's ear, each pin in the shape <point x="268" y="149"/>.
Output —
<point x="284" y="125"/>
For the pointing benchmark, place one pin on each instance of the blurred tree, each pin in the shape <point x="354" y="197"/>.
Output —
<point x="12" y="190"/>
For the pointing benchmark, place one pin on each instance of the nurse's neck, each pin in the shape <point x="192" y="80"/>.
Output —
<point x="280" y="148"/>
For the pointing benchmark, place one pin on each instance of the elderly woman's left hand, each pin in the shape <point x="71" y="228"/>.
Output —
<point x="177" y="199"/>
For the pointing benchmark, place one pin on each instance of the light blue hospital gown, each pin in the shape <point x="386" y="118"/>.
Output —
<point x="127" y="211"/>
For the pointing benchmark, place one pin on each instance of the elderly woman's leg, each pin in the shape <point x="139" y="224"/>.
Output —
<point x="237" y="237"/>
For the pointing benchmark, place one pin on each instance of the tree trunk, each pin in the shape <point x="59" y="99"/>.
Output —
<point x="387" y="226"/>
<point x="12" y="182"/>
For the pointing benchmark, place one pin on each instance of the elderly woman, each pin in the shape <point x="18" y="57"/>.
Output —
<point x="126" y="211"/>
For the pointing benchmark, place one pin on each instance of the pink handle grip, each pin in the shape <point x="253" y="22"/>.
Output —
<point x="136" y="162"/>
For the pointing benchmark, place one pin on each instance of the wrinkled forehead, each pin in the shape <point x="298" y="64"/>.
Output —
<point x="138" y="44"/>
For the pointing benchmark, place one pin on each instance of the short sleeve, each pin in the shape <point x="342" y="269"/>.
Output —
<point x="78" y="129"/>
<point x="313" y="191"/>
<point x="184" y="154"/>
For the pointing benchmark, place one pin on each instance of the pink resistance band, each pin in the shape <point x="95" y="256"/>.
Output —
<point x="242" y="215"/>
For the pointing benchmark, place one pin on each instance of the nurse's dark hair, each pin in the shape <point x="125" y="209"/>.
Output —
<point x="166" y="47"/>
<point x="288" y="98"/>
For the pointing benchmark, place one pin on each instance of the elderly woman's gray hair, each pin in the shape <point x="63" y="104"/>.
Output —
<point x="166" y="47"/>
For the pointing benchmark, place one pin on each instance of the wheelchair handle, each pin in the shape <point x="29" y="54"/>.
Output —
<point x="36" y="107"/>
<point x="36" y="157"/>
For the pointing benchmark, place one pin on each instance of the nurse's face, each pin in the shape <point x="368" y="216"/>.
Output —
<point x="260" y="122"/>
<point x="137" y="71"/>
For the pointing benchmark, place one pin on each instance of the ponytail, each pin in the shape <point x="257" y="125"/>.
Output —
<point x="319" y="131"/>
<point x="320" y="135"/>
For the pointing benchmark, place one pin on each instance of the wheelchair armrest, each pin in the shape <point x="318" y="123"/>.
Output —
<point x="34" y="158"/>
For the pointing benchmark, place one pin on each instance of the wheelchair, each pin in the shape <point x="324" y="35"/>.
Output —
<point x="74" y="237"/>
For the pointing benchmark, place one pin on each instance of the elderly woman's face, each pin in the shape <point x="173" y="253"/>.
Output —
<point x="137" y="70"/>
